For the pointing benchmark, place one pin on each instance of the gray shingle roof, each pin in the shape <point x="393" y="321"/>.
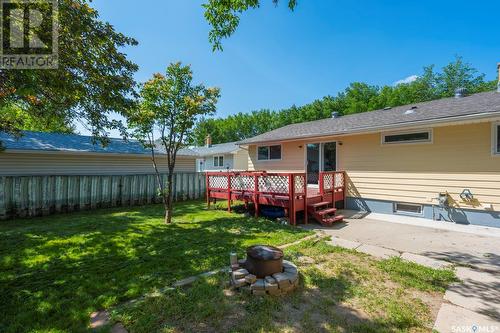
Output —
<point x="223" y="148"/>
<point x="42" y="141"/>
<point x="427" y="112"/>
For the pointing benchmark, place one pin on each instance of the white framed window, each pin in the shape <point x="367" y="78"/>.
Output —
<point x="219" y="161"/>
<point x="405" y="137"/>
<point x="408" y="208"/>
<point x="269" y="153"/>
<point x="495" y="138"/>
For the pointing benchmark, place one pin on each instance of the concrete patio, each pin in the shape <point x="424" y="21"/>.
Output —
<point x="475" y="251"/>
<point x="444" y="242"/>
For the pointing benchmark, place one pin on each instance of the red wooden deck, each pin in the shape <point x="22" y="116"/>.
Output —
<point x="287" y="190"/>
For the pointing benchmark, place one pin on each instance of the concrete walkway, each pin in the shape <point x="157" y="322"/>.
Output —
<point x="473" y="305"/>
<point x="466" y="249"/>
<point x="385" y="253"/>
<point x="473" y="302"/>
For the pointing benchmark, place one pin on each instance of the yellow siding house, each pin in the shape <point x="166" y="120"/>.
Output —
<point x="438" y="160"/>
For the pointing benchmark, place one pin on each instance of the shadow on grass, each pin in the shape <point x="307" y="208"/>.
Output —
<point x="55" y="271"/>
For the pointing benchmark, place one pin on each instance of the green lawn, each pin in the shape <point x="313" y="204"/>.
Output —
<point x="55" y="271"/>
<point x="340" y="291"/>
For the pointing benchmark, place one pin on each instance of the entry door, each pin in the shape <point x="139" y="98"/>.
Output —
<point x="320" y="157"/>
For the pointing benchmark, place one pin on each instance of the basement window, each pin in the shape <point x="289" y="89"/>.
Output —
<point x="407" y="208"/>
<point x="407" y="137"/>
<point x="269" y="153"/>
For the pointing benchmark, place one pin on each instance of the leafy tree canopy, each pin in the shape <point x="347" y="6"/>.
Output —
<point x="357" y="97"/>
<point x="169" y="108"/>
<point x="18" y="118"/>
<point x="94" y="77"/>
<point x="224" y="17"/>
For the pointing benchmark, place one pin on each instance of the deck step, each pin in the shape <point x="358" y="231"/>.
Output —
<point x="326" y="211"/>
<point x="331" y="220"/>
<point x="319" y="204"/>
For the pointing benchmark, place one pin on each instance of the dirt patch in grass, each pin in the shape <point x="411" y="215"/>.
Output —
<point x="340" y="291"/>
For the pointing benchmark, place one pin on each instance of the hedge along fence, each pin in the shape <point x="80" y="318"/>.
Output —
<point x="44" y="195"/>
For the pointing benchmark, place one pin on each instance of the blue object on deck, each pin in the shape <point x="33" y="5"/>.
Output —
<point x="272" y="212"/>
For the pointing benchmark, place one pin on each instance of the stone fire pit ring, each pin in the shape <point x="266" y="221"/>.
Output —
<point x="276" y="284"/>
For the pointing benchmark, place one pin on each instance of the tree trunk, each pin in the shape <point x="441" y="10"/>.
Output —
<point x="164" y="192"/>
<point x="168" y="203"/>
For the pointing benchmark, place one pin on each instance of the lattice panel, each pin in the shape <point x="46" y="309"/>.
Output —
<point x="313" y="178"/>
<point x="300" y="184"/>
<point x="273" y="184"/>
<point x="217" y="182"/>
<point x="243" y="183"/>
<point x="339" y="180"/>
<point x="327" y="181"/>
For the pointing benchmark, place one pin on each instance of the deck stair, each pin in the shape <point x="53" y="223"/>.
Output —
<point x="323" y="213"/>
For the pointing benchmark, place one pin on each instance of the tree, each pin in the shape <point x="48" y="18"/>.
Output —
<point x="25" y="121"/>
<point x="357" y="97"/>
<point x="94" y="77"/>
<point x="223" y="17"/>
<point x="459" y="74"/>
<point x="169" y="108"/>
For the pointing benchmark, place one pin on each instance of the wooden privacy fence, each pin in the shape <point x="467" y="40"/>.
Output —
<point x="28" y="196"/>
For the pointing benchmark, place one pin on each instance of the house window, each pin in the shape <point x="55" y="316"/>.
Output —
<point x="266" y="153"/>
<point x="496" y="138"/>
<point x="407" y="208"/>
<point x="218" y="161"/>
<point x="407" y="137"/>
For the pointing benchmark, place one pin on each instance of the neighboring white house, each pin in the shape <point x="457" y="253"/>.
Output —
<point x="220" y="157"/>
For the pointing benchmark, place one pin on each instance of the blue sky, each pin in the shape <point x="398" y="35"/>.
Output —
<point x="278" y="58"/>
